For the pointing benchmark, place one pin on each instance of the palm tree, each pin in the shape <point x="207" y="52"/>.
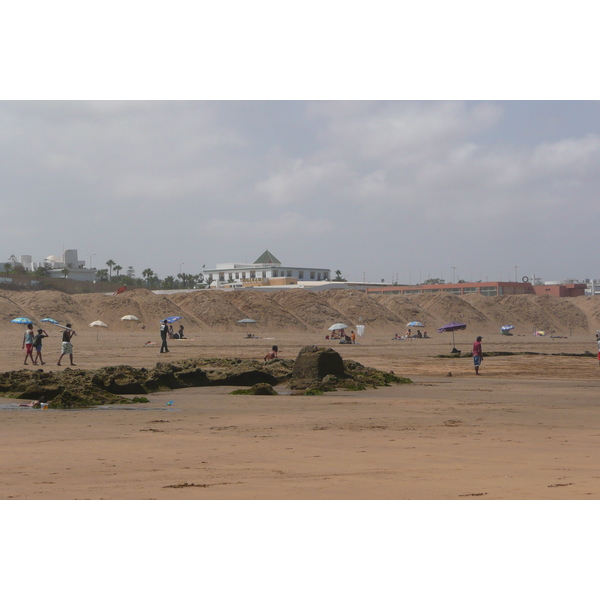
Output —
<point x="148" y="274"/>
<point x="65" y="272"/>
<point x="7" y="268"/>
<point x="102" y="274"/>
<point x="110" y="264"/>
<point x="168" y="282"/>
<point x="118" y="269"/>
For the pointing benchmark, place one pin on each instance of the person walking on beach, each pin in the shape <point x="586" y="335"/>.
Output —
<point x="477" y="354"/>
<point x="353" y="337"/>
<point x="272" y="353"/>
<point x="28" y="343"/>
<point x="37" y="346"/>
<point x="67" y="346"/>
<point x="164" y="332"/>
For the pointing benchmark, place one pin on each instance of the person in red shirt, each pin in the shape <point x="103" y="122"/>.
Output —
<point x="477" y="354"/>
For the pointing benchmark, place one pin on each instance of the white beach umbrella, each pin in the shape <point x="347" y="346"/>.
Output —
<point x="129" y="318"/>
<point x="337" y="326"/>
<point x="98" y="324"/>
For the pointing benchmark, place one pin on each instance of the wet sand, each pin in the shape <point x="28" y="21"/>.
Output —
<point x="527" y="428"/>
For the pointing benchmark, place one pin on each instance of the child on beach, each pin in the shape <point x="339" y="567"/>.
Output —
<point x="37" y="345"/>
<point x="272" y="353"/>
<point x="28" y="343"/>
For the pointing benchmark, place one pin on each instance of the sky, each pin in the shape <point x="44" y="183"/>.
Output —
<point x="392" y="190"/>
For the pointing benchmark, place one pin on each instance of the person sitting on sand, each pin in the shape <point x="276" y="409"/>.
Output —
<point x="67" y="346"/>
<point x="272" y="353"/>
<point x="181" y="336"/>
<point x="37" y="345"/>
<point x="408" y="333"/>
<point x="419" y="334"/>
<point x="425" y="336"/>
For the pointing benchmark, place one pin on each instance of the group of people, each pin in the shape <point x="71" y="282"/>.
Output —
<point x="167" y="333"/>
<point x="410" y="336"/>
<point x="32" y="341"/>
<point x="340" y="334"/>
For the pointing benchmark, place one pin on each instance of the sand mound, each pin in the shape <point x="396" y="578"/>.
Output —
<point x="407" y="310"/>
<point x="262" y="307"/>
<point x="446" y="308"/>
<point x="211" y="308"/>
<point x="45" y="303"/>
<point x="358" y="307"/>
<point x="545" y="312"/>
<point x="305" y="310"/>
<point x="9" y="310"/>
<point x="310" y="307"/>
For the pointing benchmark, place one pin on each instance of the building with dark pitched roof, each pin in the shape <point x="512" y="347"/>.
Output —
<point x="265" y="270"/>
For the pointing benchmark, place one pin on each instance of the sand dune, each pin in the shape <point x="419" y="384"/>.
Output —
<point x="307" y="311"/>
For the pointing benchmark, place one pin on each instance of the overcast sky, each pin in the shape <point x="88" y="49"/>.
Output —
<point x="371" y="188"/>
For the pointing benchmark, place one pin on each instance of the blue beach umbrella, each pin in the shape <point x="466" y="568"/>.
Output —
<point x="170" y="319"/>
<point x="49" y="320"/>
<point x="506" y="327"/>
<point x="22" y="321"/>
<point x="415" y="324"/>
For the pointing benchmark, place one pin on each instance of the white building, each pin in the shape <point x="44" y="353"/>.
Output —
<point x="57" y="266"/>
<point x="263" y="271"/>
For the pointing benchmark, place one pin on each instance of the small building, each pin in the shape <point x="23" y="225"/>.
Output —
<point x="265" y="270"/>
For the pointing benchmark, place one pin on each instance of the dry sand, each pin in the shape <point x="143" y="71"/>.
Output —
<point x="526" y="429"/>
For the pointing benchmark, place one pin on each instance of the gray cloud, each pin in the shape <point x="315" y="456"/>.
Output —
<point x="367" y="187"/>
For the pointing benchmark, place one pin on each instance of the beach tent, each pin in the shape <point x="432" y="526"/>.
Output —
<point x="452" y="327"/>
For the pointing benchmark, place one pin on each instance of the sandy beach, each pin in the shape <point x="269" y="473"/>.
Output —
<point x="527" y="428"/>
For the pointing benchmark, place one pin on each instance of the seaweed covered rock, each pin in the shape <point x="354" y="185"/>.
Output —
<point x="122" y="379"/>
<point x="368" y="376"/>
<point x="313" y="364"/>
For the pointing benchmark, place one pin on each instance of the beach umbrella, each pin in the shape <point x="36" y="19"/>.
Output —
<point x="452" y="327"/>
<point x="22" y="321"/>
<point x="98" y="324"/>
<point x="170" y="319"/>
<point x="129" y="318"/>
<point x="49" y="320"/>
<point x="246" y="321"/>
<point x="506" y="327"/>
<point x="337" y="326"/>
<point x="415" y="324"/>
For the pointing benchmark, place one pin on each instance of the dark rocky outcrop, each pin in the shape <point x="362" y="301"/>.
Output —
<point x="317" y="369"/>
